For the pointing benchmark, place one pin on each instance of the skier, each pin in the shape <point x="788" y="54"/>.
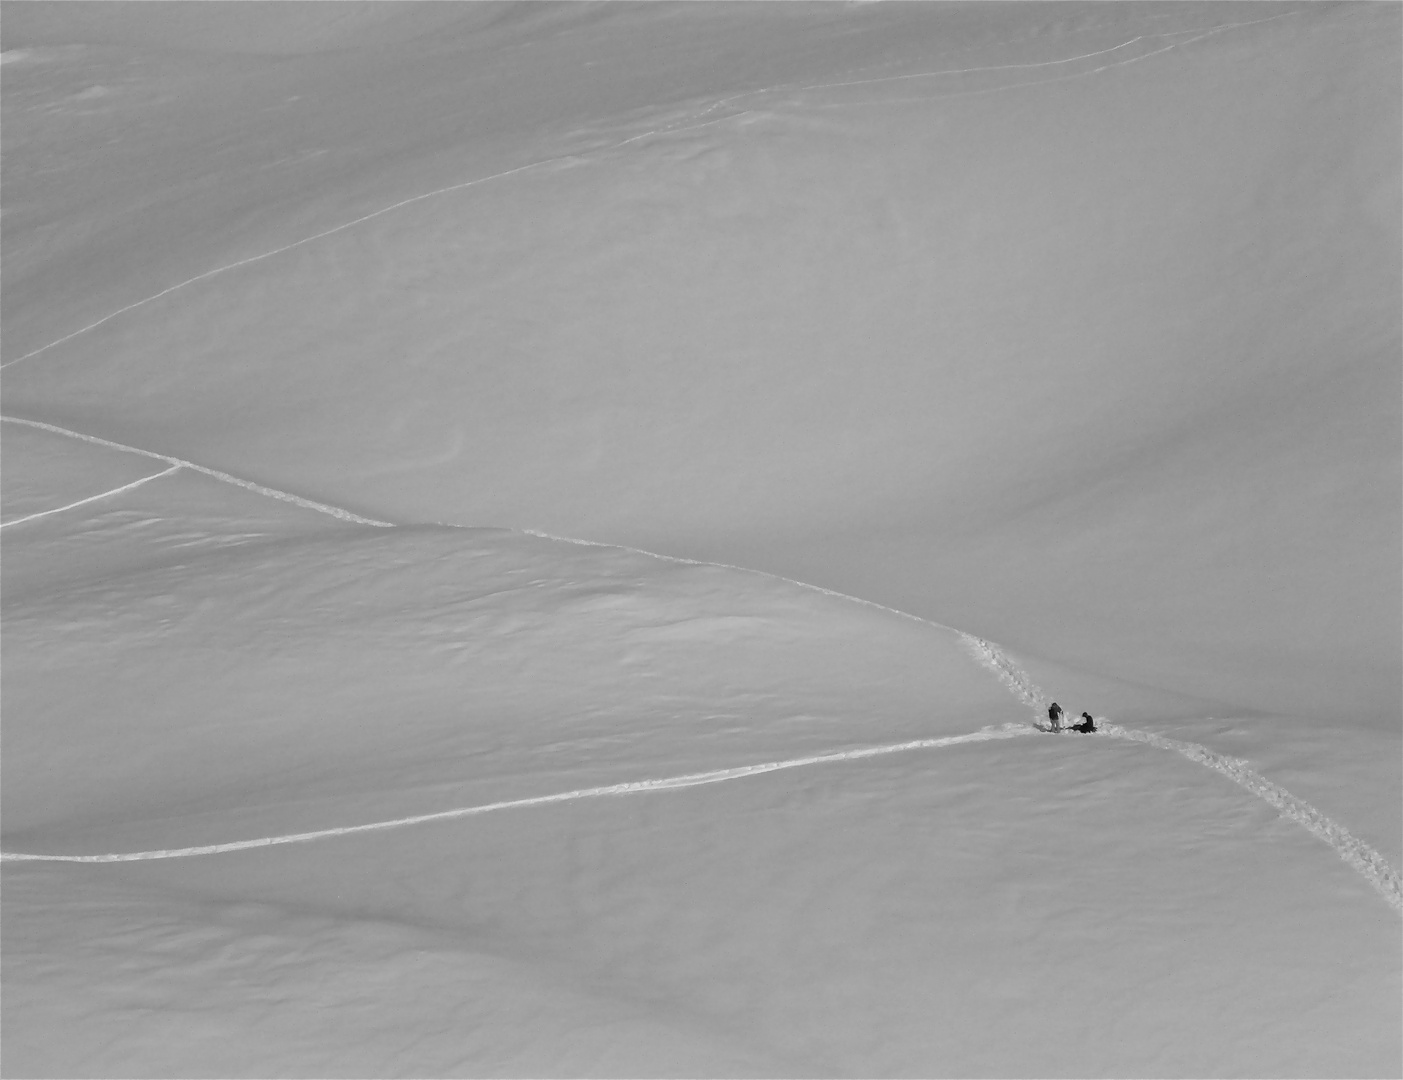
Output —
<point x="1087" y="725"/>
<point x="1054" y="714"/>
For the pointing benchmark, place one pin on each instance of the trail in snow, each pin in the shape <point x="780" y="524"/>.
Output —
<point x="1353" y="851"/>
<point x="91" y="498"/>
<point x="1029" y="82"/>
<point x="1201" y="31"/>
<point x="347" y="515"/>
<point x="1010" y="674"/>
<point x="181" y="463"/>
<point x="695" y="122"/>
<point x="1350" y="848"/>
<point x="636" y="787"/>
<point x="1199" y="34"/>
<point x="743" y="570"/>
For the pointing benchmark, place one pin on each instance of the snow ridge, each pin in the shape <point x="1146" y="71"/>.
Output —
<point x="181" y="463"/>
<point x="1350" y="848"/>
<point x="635" y="787"/>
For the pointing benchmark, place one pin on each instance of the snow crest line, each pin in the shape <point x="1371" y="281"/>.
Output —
<point x="636" y="787"/>
<point x="181" y="463"/>
<point x="1359" y="855"/>
<point x="91" y="498"/>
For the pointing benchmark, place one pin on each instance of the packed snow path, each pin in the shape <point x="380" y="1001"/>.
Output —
<point x="180" y="463"/>
<point x="91" y="498"/>
<point x="671" y="783"/>
<point x="1352" y="850"/>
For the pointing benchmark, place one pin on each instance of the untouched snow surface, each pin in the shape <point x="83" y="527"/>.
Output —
<point x="1069" y="333"/>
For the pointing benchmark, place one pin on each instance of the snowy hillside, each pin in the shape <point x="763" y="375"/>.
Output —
<point x="1065" y="337"/>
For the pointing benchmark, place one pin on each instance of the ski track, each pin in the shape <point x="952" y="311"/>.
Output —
<point x="694" y="122"/>
<point x="91" y="498"/>
<point x="181" y="463"/>
<point x="1349" y="848"/>
<point x="1352" y="850"/>
<point x="636" y="787"/>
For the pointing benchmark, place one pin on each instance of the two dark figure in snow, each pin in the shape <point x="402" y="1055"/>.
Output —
<point x="1086" y="725"/>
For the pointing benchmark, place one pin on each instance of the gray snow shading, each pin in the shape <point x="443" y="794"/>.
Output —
<point x="537" y="540"/>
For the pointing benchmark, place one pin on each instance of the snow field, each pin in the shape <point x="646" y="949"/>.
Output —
<point x="355" y="367"/>
<point x="1359" y="855"/>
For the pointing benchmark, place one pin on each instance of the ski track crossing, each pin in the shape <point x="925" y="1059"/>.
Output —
<point x="689" y="124"/>
<point x="1352" y="850"/>
<point x="91" y="498"/>
<point x="181" y="463"/>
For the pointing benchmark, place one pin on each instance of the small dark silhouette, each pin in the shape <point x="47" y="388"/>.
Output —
<point x="1054" y="713"/>
<point x="1087" y="725"/>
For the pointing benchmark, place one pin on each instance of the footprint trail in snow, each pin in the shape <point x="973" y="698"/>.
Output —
<point x="1352" y="850"/>
<point x="1349" y="847"/>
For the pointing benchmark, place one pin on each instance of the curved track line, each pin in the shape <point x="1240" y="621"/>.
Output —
<point x="91" y="498"/>
<point x="278" y="251"/>
<point x="742" y="569"/>
<point x="1056" y="78"/>
<point x="1359" y="855"/>
<point x="1350" y="848"/>
<point x="1202" y="32"/>
<point x="248" y="485"/>
<point x="636" y="787"/>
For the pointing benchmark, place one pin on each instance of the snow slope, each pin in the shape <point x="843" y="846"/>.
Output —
<point x="1071" y="328"/>
<point x="887" y="915"/>
<point x="770" y="290"/>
